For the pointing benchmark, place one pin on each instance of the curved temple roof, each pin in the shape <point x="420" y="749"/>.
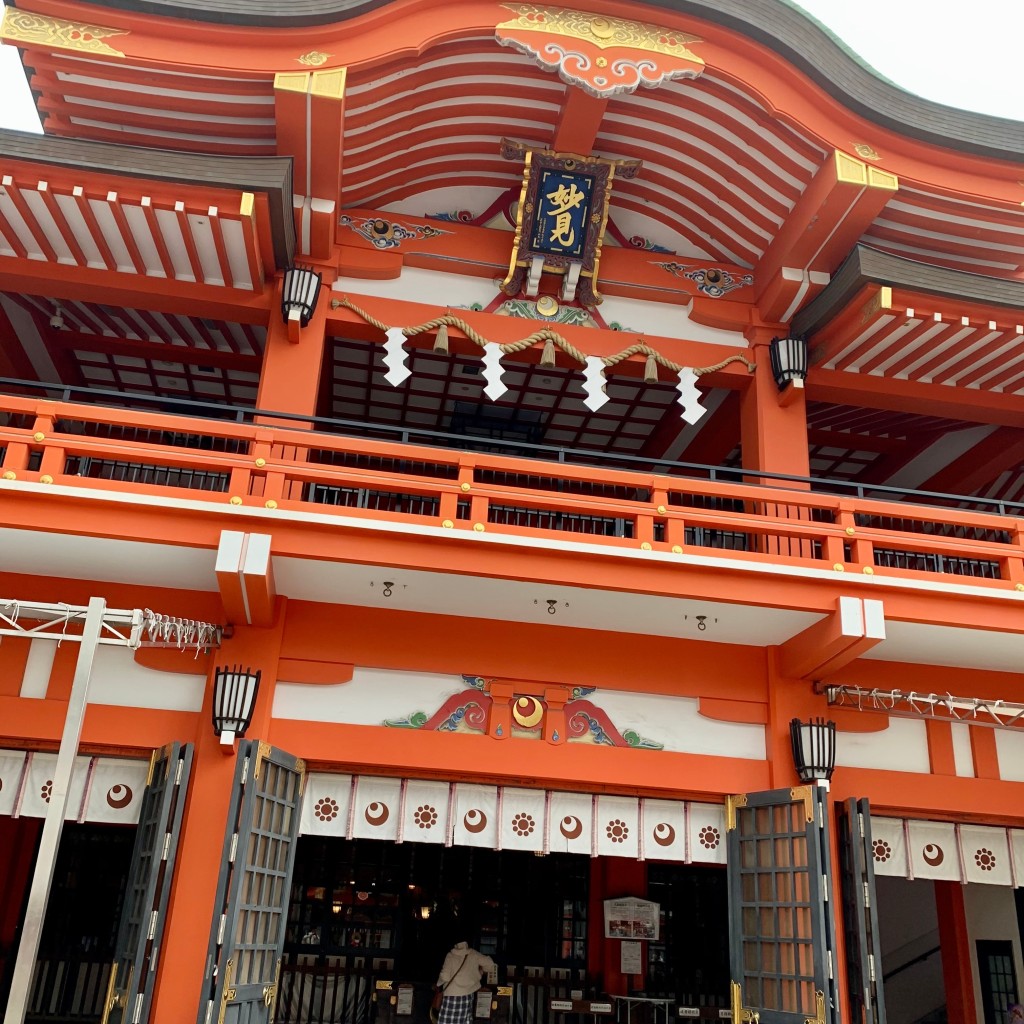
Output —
<point x="789" y="31"/>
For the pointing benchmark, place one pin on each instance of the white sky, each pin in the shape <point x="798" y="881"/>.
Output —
<point x="964" y="57"/>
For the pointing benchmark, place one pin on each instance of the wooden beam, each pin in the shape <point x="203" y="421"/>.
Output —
<point x="245" y="575"/>
<point x="842" y="200"/>
<point x="84" y="284"/>
<point x="968" y="405"/>
<point x="310" y="112"/>
<point x="1003" y="449"/>
<point x="75" y="341"/>
<point x="855" y="627"/>
<point x="578" y="122"/>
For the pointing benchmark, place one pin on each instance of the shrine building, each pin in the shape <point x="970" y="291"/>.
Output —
<point x="548" y="477"/>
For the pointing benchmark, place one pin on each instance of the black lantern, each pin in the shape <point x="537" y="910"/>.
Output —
<point x="234" y="697"/>
<point x="789" y="361"/>
<point x="814" y="749"/>
<point x="301" y="290"/>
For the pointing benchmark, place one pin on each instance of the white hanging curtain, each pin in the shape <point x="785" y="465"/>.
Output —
<point x="705" y="833"/>
<point x="102" y="789"/>
<point x="934" y="852"/>
<point x="986" y="854"/>
<point x="663" y="836"/>
<point x="888" y="837"/>
<point x="114" y="790"/>
<point x="325" y="805"/>
<point x="476" y="816"/>
<point x="571" y="823"/>
<point x="522" y="819"/>
<point x="617" y="826"/>
<point x="12" y="765"/>
<point x="375" y="808"/>
<point x="425" y="812"/>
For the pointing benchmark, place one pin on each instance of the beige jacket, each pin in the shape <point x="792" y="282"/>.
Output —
<point x="461" y="970"/>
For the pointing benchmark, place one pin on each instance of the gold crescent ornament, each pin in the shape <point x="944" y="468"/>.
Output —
<point x="527" y="711"/>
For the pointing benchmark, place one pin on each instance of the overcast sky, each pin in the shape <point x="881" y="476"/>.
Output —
<point x="967" y="57"/>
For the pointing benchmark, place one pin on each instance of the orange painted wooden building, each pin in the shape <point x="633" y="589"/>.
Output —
<point x="533" y="411"/>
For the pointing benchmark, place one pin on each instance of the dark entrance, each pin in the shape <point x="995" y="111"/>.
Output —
<point x="400" y="907"/>
<point x="691" y="962"/>
<point x="365" y="913"/>
<point x="77" y="944"/>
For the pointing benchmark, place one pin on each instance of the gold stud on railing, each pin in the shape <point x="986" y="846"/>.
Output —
<point x="646" y="546"/>
<point x="9" y="475"/>
<point x="868" y="570"/>
<point x="271" y="503"/>
<point x="839" y="567"/>
<point x="38" y="436"/>
<point x="850" y="530"/>
<point x="46" y="479"/>
<point x="447" y="524"/>
<point x="465" y="487"/>
<point x="1020" y="586"/>
<point x="236" y="500"/>
<point x="662" y="510"/>
<point x="479" y="527"/>
<point x="676" y="549"/>
<point x="260" y="462"/>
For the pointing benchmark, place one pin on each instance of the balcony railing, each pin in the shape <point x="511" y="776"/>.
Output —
<point x="403" y="476"/>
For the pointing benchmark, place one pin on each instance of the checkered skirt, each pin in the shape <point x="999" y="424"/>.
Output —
<point x="456" y="1010"/>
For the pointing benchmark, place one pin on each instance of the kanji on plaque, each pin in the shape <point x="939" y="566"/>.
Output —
<point x="561" y="225"/>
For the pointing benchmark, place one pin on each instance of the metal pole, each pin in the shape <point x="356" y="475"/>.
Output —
<point x="46" y="860"/>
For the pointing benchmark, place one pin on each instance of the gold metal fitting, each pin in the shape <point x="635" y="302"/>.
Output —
<point x="868" y="570"/>
<point x="677" y="549"/>
<point x="447" y="524"/>
<point x="479" y="527"/>
<point x="839" y="567"/>
<point x="260" y="462"/>
<point x="38" y="436"/>
<point x="850" y="530"/>
<point x="1019" y="586"/>
<point x="465" y="487"/>
<point x="10" y="475"/>
<point x="645" y="546"/>
<point x="271" y="503"/>
<point x="46" y="479"/>
<point x="236" y="500"/>
<point x="662" y="510"/>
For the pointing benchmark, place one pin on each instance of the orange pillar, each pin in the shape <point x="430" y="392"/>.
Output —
<point x="957" y="956"/>
<point x="773" y="439"/>
<point x="612" y="878"/>
<point x="290" y="376"/>
<point x="773" y="426"/>
<point x="179" y="984"/>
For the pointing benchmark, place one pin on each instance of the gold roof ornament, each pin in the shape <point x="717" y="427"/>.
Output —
<point x="604" y="56"/>
<point x="22" y="28"/>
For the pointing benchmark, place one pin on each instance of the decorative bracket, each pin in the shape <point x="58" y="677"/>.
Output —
<point x="604" y="56"/>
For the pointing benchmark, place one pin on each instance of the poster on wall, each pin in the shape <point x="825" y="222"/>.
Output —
<point x="631" y="961"/>
<point x="631" y="918"/>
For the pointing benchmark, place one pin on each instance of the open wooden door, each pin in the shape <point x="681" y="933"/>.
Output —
<point x="130" y="989"/>
<point x="251" y="911"/>
<point x="780" y="926"/>
<point x="860" y="914"/>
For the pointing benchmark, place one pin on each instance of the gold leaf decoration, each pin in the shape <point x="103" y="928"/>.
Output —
<point x="314" y="59"/>
<point x="21" y="27"/>
<point x="600" y="30"/>
<point x="866" y="152"/>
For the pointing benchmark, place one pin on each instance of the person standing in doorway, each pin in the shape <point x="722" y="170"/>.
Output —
<point x="458" y="982"/>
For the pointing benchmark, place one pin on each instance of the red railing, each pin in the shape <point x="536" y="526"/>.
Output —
<point x="271" y="466"/>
